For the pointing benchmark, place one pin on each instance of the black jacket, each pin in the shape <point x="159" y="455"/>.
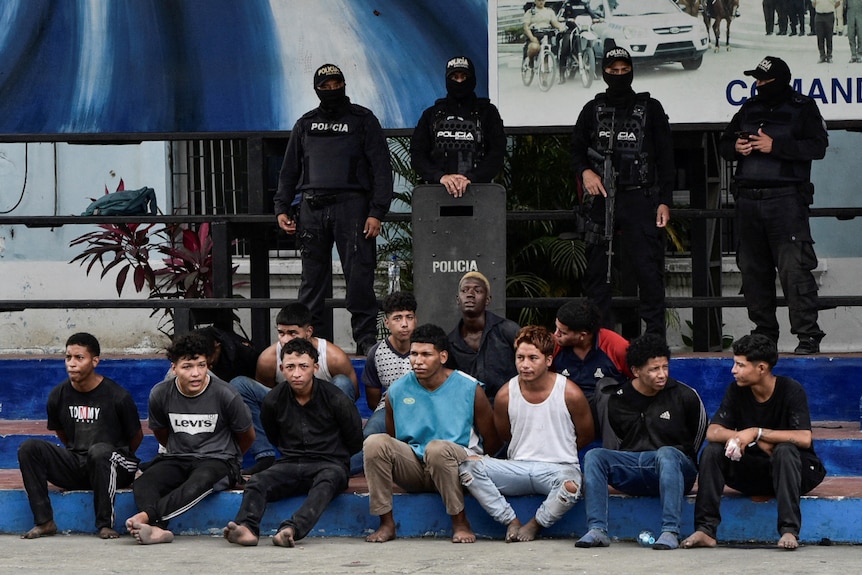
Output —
<point x="675" y="417"/>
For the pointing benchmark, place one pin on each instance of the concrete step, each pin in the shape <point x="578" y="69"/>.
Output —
<point x="829" y="512"/>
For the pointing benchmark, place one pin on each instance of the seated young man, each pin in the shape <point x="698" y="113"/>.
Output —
<point x="482" y="343"/>
<point x="293" y="321"/>
<point x="760" y="443"/>
<point x="98" y="423"/>
<point x="435" y="418"/>
<point x="586" y="352"/>
<point x="389" y="359"/>
<point x="658" y="424"/>
<point x="205" y="428"/>
<point x="316" y="429"/>
<point x="546" y="419"/>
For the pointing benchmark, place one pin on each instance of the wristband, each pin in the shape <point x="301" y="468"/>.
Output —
<point x="756" y="439"/>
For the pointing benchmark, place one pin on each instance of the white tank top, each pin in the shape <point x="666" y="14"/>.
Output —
<point x="322" y="365"/>
<point x="542" y="431"/>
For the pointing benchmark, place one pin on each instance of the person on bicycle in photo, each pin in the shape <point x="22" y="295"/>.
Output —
<point x="537" y="19"/>
<point x="570" y="10"/>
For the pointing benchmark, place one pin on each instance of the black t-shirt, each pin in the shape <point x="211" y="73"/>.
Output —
<point x="106" y="414"/>
<point x="786" y="409"/>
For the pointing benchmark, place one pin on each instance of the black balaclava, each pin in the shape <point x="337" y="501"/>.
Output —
<point x="777" y="70"/>
<point x="465" y="89"/>
<point x="619" y="89"/>
<point x="774" y="91"/>
<point x="330" y="100"/>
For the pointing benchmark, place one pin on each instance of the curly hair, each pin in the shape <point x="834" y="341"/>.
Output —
<point x="189" y="345"/>
<point x="646" y="347"/>
<point x="300" y="346"/>
<point x="580" y="315"/>
<point x="399" y="301"/>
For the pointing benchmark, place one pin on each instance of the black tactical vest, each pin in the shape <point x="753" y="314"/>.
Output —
<point x="778" y="123"/>
<point x="456" y="137"/>
<point x="333" y="153"/>
<point x="628" y="129"/>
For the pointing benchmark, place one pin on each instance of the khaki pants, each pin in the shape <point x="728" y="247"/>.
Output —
<point x="388" y="461"/>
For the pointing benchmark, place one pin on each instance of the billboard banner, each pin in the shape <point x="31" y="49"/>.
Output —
<point x="209" y="66"/>
<point x="188" y="66"/>
<point x="697" y="82"/>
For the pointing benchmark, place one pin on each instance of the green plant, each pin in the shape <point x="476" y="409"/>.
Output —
<point x="398" y="236"/>
<point x="537" y="176"/>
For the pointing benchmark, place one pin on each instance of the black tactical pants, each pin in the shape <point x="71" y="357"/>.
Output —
<point x="773" y="233"/>
<point x="341" y="223"/>
<point x="638" y="240"/>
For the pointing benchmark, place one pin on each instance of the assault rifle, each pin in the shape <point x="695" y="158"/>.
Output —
<point x="609" y="181"/>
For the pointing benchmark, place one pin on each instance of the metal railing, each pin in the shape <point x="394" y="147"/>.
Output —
<point x="225" y="228"/>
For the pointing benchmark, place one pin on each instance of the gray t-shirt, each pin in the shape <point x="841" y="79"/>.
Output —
<point x="203" y="426"/>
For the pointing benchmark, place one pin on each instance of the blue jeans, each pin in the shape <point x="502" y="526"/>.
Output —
<point x="253" y="392"/>
<point x="668" y="473"/>
<point x="376" y="423"/>
<point x="489" y="479"/>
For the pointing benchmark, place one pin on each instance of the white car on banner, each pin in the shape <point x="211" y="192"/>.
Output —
<point x="653" y="31"/>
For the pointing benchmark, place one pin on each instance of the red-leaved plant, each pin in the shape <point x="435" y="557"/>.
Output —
<point x="186" y="270"/>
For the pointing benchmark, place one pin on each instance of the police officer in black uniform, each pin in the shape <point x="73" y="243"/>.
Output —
<point x="773" y="138"/>
<point x="634" y="130"/>
<point x="337" y="158"/>
<point x="460" y="138"/>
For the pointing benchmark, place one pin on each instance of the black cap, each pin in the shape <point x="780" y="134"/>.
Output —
<point x="771" y="68"/>
<point x="460" y="64"/>
<point x="616" y="53"/>
<point x="327" y="72"/>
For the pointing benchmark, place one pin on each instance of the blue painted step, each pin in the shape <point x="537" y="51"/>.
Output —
<point x="423" y="514"/>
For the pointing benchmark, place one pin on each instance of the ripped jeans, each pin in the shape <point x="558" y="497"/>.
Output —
<point x="489" y="480"/>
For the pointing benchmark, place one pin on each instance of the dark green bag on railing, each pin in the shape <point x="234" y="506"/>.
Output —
<point x="124" y="203"/>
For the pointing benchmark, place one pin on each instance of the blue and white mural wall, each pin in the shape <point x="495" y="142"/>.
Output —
<point x="162" y="66"/>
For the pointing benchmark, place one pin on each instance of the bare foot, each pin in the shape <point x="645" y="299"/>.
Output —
<point x="698" y="539"/>
<point x="108" y="533"/>
<point x="150" y="534"/>
<point x="512" y="531"/>
<point x="529" y="531"/>
<point x="788" y="541"/>
<point x="43" y="530"/>
<point x="284" y="538"/>
<point x="139" y="518"/>
<point x="386" y="531"/>
<point x="461" y="530"/>
<point x="240" y="534"/>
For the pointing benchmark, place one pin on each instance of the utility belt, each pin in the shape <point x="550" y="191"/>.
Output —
<point x="749" y="192"/>
<point x="318" y="200"/>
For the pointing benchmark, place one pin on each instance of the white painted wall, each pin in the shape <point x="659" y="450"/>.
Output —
<point x="60" y="179"/>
